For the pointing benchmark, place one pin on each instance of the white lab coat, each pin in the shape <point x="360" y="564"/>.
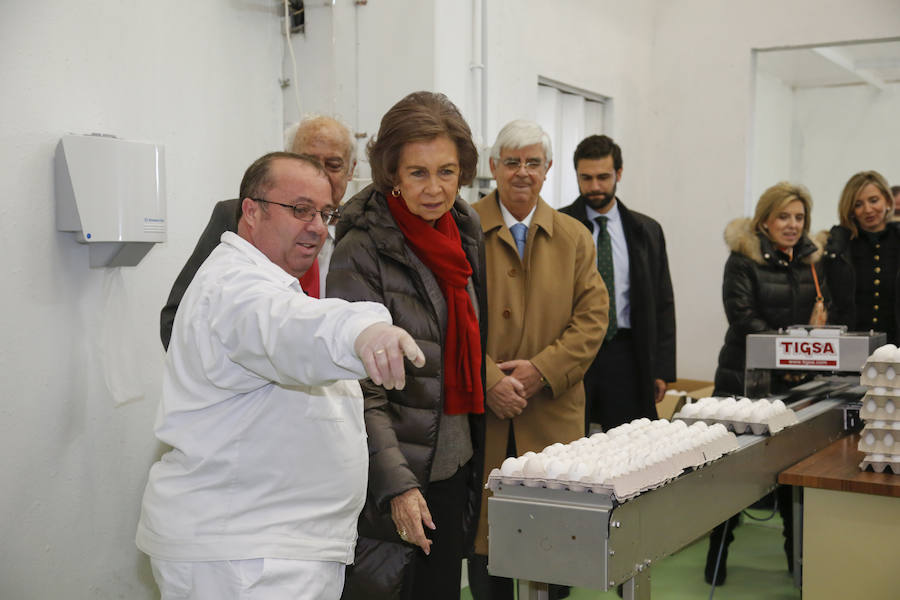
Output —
<point x="261" y="406"/>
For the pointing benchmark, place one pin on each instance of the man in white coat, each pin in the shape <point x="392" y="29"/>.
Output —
<point x="260" y="494"/>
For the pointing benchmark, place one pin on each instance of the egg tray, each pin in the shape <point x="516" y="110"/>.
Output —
<point x="881" y="407"/>
<point x="880" y="440"/>
<point x="769" y="426"/>
<point x="890" y="463"/>
<point x="631" y="484"/>
<point x="880" y="374"/>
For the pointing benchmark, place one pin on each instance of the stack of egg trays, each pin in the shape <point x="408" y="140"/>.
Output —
<point x="880" y="438"/>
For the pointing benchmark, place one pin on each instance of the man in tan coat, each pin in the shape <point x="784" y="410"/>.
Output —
<point x="547" y="315"/>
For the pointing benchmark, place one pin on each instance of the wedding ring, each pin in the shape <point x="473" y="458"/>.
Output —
<point x="402" y="534"/>
<point x="379" y="351"/>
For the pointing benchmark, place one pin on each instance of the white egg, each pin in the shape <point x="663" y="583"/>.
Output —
<point x="884" y="353"/>
<point x="890" y="373"/>
<point x="879" y="424"/>
<point x="557" y="468"/>
<point x="778" y="407"/>
<point x="534" y="467"/>
<point x="726" y="411"/>
<point x="698" y="426"/>
<point x="743" y="413"/>
<point x="708" y="411"/>
<point x="888" y="440"/>
<point x="879" y="390"/>
<point x="599" y="437"/>
<point x="877" y="457"/>
<point x="577" y="471"/>
<point x="745" y="402"/>
<point x="869" y="439"/>
<point x="872" y="406"/>
<point x="511" y="467"/>
<point x="871" y="373"/>
<point x="553" y="449"/>
<point x="889" y="407"/>
<point x="689" y="410"/>
<point x="529" y="454"/>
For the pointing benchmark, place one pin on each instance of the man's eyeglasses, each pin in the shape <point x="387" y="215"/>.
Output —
<point x="514" y="164"/>
<point x="306" y="213"/>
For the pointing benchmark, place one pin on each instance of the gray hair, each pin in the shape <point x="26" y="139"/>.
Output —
<point x="520" y="133"/>
<point x="317" y="121"/>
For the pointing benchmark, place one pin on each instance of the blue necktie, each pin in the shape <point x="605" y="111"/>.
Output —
<point x="519" y="233"/>
<point x="605" y="266"/>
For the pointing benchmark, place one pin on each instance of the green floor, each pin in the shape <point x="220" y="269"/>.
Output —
<point x="756" y="569"/>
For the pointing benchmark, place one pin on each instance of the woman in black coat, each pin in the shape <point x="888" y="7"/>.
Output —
<point x="768" y="284"/>
<point x="862" y="258"/>
<point x="409" y="242"/>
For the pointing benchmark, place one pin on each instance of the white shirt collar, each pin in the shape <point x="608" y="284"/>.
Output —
<point x="509" y="220"/>
<point x="257" y="257"/>
<point x="613" y="216"/>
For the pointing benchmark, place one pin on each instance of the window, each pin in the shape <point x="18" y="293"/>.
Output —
<point x="568" y="115"/>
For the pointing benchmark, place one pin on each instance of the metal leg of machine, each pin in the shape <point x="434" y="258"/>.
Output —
<point x="638" y="587"/>
<point x="533" y="590"/>
<point x="797" y="508"/>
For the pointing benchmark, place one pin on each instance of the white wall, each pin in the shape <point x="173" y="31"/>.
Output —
<point x="700" y="119"/>
<point x="838" y="132"/>
<point x="772" y="132"/>
<point x="201" y="78"/>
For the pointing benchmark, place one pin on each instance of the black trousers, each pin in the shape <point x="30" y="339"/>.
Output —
<point x="437" y="575"/>
<point x="611" y="384"/>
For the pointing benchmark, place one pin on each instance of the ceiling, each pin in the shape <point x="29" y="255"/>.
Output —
<point x="862" y="63"/>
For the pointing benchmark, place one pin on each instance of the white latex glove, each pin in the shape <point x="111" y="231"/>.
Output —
<point x="381" y="347"/>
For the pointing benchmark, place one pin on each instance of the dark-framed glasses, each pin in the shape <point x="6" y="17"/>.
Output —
<point x="531" y="164"/>
<point x="306" y="212"/>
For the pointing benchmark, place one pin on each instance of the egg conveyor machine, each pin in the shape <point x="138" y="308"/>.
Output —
<point x="591" y="540"/>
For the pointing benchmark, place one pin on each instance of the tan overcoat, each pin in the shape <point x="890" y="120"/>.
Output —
<point x="549" y="307"/>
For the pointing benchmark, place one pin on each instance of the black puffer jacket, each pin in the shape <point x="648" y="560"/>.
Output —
<point x="761" y="290"/>
<point x="841" y="276"/>
<point x="371" y="261"/>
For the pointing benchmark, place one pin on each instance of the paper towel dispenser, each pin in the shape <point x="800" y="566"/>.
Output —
<point x="112" y="194"/>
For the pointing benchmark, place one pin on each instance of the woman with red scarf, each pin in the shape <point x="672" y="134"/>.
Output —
<point x="409" y="242"/>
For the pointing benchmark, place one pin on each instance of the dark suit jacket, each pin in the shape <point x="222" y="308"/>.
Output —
<point x="224" y="218"/>
<point x="651" y="298"/>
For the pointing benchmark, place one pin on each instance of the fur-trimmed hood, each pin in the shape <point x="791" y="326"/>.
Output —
<point x="757" y="247"/>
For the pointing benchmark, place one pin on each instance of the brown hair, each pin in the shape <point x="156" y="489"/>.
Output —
<point x="851" y="191"/>
<point x="419" y="116"/>
<point x="257" y="178"/>
<point x="776" y="198"/>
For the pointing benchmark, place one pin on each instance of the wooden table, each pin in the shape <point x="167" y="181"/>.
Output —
<point x="851" y="524"/>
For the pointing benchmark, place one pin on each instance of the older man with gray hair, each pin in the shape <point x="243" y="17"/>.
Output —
<point x="547" y="314"/>
<point x="324" y="138"/>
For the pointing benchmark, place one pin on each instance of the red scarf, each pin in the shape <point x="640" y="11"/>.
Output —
<point x="440" y="248"/>
<point x="310" y="280"/>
